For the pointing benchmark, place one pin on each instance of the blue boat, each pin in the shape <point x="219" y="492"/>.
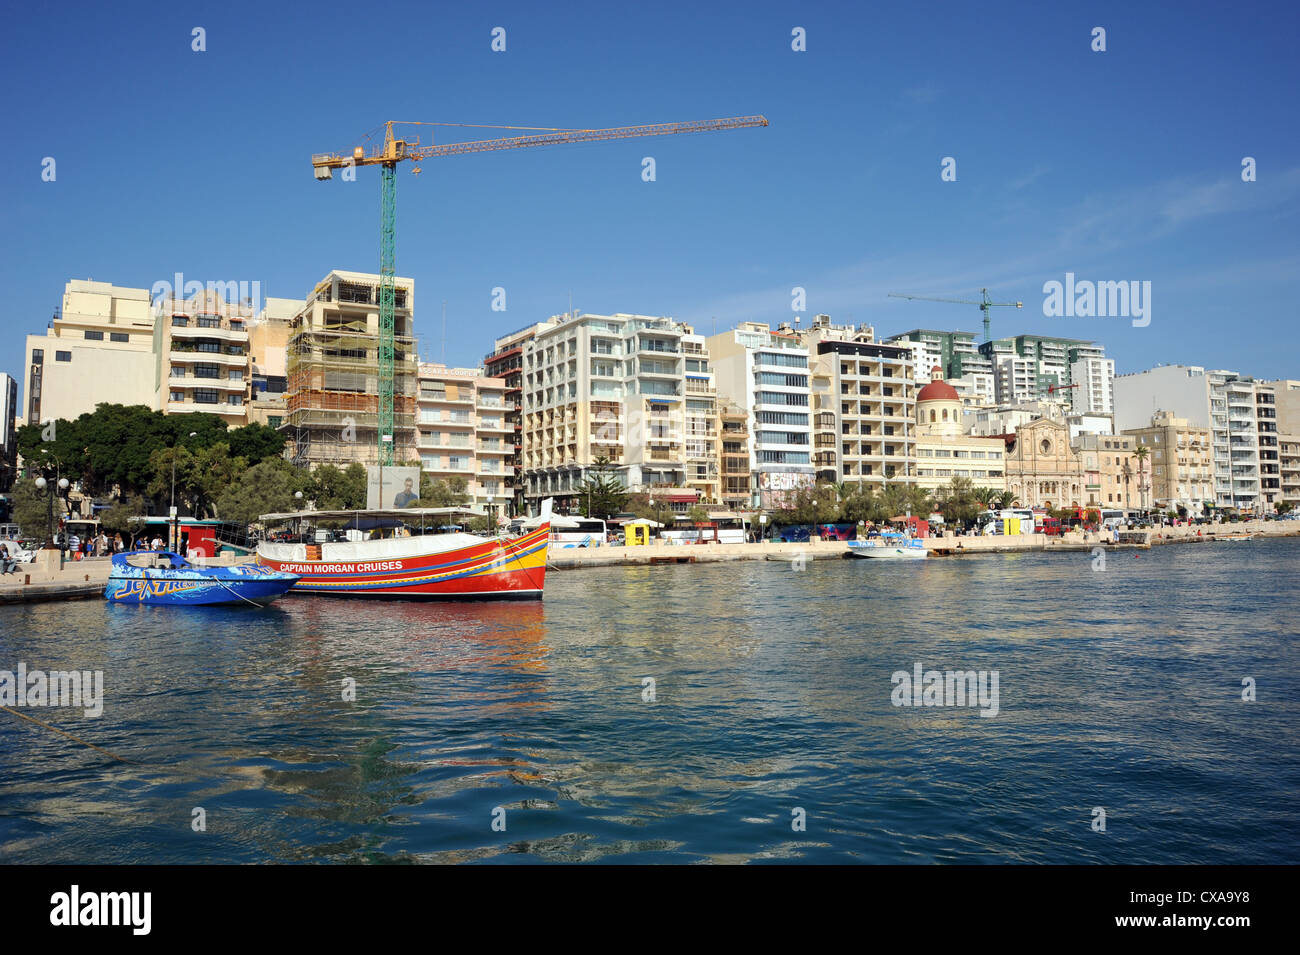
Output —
<point x="163" y="577"/>
<point x="890" y="545"/>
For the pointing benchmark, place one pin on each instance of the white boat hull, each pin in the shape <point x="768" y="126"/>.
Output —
<point x="877" y="551"/>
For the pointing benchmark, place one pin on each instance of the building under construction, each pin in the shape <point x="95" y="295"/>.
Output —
<point x="332" y="401"/>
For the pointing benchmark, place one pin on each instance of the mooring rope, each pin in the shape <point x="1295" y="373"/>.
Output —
<point x="32" y="719"/>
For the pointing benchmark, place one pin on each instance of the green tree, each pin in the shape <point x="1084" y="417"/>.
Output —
<point x="201" y="475"/>
<point x="116" y="519"/>
<point x="337" y="489"/>
<point x="639" y="505"/>
<point x="31" y="508"/>
<point x="602" y="494"/>
<point x="255" y="443"/>
<point x="265" y="488"/>
<point x="449" y="493"/>
<point x="697" y="515"/>
<point x="956" y="501"/>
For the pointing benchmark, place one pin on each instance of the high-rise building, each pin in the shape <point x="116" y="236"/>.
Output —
<point x="99" y="348"/>
<point x="332" y="401"/>
<point x="1028" y="366"/>
<point x="956" y="353"/>
<point x="1094" y="385"/>
<point x="765" y="373"/>
<point x="1222" y="401"/>
<point x="1270" y="473"/>
<point x="863" y="404"/>
<point x="463" y="432"/>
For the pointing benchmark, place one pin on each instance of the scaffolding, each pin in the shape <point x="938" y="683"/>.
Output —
<point x="332" y="402"/>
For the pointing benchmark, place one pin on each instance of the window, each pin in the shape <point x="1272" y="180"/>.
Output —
<point x="209" y="346"/>
<point x="235" y="400"/>
<point x="208" y="321"/>
<point x="118" y="337"/>
<point x="206" y="371"/>
<point x="178" y="396"/>
<point x="180" y="321"/>
<point x="236" y="376"/>
<point x="63" y="356"/>
<point x="273" y="421"/>
<point x="94" y="336"/>
<point x="38" y="356"/>
<point x="206" y="396"/>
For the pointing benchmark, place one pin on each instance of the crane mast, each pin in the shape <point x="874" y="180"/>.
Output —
<point x="395" y="150"/>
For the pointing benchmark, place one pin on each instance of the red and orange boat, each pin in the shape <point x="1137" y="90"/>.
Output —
<point x="442" y="566"/>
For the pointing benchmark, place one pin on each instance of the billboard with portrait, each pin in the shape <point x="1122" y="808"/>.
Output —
<point x="388" y="488"/>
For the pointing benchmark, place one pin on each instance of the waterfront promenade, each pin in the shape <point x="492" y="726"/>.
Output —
<point x="573" y="558"/>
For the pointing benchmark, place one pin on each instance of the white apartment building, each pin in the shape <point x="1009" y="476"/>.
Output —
<point x="610" y="386"/>
<point x="8" y="432"/>
<point x="1015" y="379"/>
<point x="1094" y="381"/>
<point x="1223" y="401"/>
<point x="766" y="373"/>
<point x="462" y="432"/>
<point x="99" y="348"/>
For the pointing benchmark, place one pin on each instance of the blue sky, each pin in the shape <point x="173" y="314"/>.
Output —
<point x="1122" y="165"/>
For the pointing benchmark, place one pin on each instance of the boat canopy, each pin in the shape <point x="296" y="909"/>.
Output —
<point x="399" y="513"/>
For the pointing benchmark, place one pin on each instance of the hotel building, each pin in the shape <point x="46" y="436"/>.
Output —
<point x="507" y="363"/>
<point x="1112" y="476"/>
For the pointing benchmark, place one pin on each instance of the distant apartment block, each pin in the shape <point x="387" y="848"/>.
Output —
<point x="1094" y="386"/>
<point x="332" y="396"/>
<point x="1036" y="366"/>
<point x="956" y="353"/>
<point x="702" y="474"/>
<point x="463" y="432"/>
<point x="766" y="374"/>
<point x="98" y="348"/>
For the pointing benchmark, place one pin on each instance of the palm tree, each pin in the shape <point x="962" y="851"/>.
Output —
<point x="1141" y="453"/>
<point x="1127" y="472"/>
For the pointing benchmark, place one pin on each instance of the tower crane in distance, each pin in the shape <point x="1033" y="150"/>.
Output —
<point x="985" y="304"/>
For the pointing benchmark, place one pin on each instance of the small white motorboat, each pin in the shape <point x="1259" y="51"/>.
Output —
<point x="889" y="546"/>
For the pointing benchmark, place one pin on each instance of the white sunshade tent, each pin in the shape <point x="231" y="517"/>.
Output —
<point x="642" y="521"/>
<point x="558" y="522"/>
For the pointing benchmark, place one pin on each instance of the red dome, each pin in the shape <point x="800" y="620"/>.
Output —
<point x="937" y="389"/>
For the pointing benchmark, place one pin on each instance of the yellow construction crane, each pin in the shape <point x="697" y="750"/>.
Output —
<point x="395" y="149"/>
